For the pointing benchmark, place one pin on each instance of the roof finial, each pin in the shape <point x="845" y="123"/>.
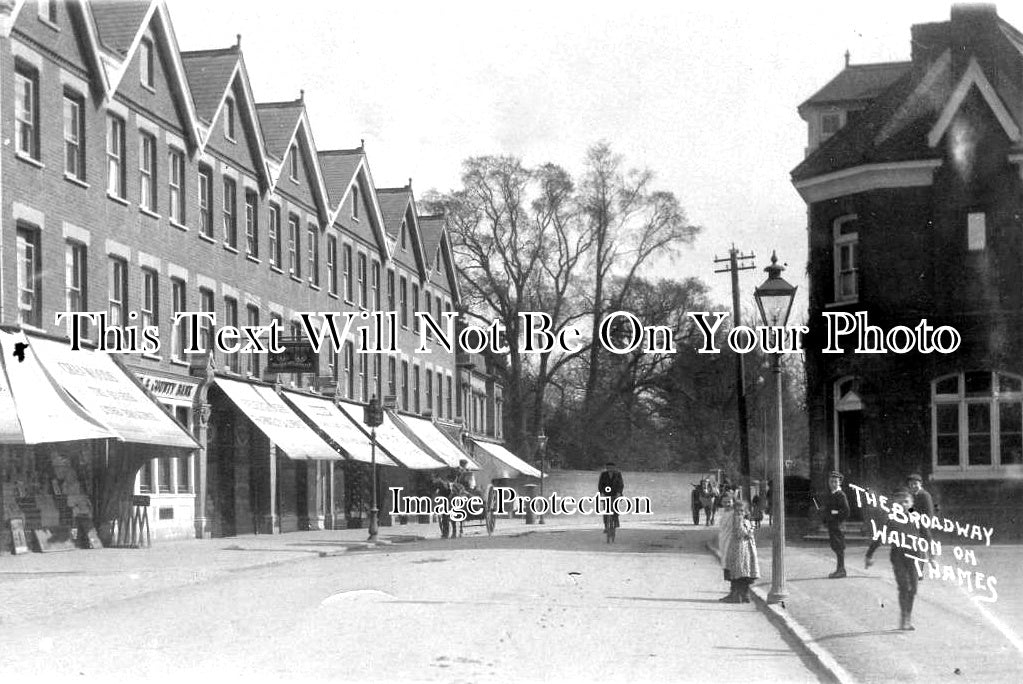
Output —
<point x="301" y="95"/>
<point x="847" y="57"/>
<point x="410" y="181"/>
<point x="238" y="40"/>
<point x="362" y="143"/>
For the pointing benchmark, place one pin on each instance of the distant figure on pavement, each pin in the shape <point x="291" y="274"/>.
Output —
<point x="834" y="513"/>
<point x="724" y="541"/>
<point x="696" y="503"/>
<point x="741" y="561"/>
<point x="903" y="566"/>
<point x="610" y="484"/>
<point x="922" y="501"/>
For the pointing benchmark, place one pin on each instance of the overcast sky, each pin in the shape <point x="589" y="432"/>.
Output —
<point x="703" y="94"/>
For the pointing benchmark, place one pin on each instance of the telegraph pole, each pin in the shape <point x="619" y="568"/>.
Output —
<point x="739" y="262"/>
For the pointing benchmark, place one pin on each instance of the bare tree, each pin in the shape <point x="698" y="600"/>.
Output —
<point x="628" y="224"/>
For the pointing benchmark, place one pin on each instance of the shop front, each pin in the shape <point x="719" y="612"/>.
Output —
<point x="76" y="430"/>
<point x="266" y="468"/>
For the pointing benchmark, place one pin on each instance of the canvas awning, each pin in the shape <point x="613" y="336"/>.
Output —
<point x="509" y="459"/>
<point x="394" y="441"/>
<point x="273" y="418"/>
<point x="34" y="407"/>
<point x="435" y="440"/>
<point x="337" y="426"/>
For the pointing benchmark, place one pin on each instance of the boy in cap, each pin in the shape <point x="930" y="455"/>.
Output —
<point x="922" y="501"/>
<point x="903" y="567"/>
<point x="610" y="484"/>
<point x="834" y="513"/>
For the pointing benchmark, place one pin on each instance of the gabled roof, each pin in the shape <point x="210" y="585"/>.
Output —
<point x="339" y="169"/>
<point x="858" y="83"/>
<point x="436" y="243"/>
<point x="112" y="32"/>
<point x="284" y="124"/>
<point x="397" y="205"/>
<point x="118" y="22"/>
<point x="343" y="169"/>
<point x="209" y="73"/>
<point x="279" y="121"/>
<point x="432" y="229"/>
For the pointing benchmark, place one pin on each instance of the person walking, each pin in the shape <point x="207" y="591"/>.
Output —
<point x="834" y="513"/>
<point x="903" y="566"/>
<point x="743" y="564"/>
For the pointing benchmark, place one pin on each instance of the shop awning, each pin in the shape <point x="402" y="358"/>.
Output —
<point x="337" y="426"/>
<point x="513" y="462"/>
<point x="34" y="408"/>
<point x="273" y="418"/>
<point x="435" y="440"/>
<point x="394" y="441"/>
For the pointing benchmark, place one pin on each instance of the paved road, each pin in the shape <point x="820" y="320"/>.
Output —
<point x="547" y="606"/>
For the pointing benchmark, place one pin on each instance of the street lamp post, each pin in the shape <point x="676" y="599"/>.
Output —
<point x="774" y="299"/>
<point x="373" y="416"/>
<point x="541" y="443"/>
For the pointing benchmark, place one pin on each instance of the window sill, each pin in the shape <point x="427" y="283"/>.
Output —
<point x="47" y="22"/>
<point x="844" y="302"/>
<point x="253" y="259"/>
<point x="147" y="87"/>
<point x="276" y="269"/>
<point x="333" y="295"/>
<point x="180" y="362"/>
<point x="75" y="180"/>
<point x="206" y="238"/>
<point x="180" y="226"/>
<point x="150" y="213"/>
<point x="230" y="139"/>
<point x="29" y="160"/>
<point x="230" y="248"/>
<point x="315" y="287"/>
<point x="152" y="357"/>
<point x="119" y="200"/>
<point x="295" y="278"/>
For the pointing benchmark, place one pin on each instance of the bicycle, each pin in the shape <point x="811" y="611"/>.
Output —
<point x="610" y="525"/>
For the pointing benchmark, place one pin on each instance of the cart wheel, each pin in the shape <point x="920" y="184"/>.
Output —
<point x="488" y="515"/>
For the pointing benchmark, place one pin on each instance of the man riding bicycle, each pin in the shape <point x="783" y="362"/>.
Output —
<point x="610" y="486"/>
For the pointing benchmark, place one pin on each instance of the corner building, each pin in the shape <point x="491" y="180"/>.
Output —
<point x="913" y="182"/>
<point x="142" y="181"/>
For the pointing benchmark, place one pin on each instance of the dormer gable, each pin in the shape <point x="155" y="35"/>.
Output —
<point x="292" y="158"/>
<point x="116" y="32"/>
<point x="352" y="194"/>
<point x="224" y="105"/>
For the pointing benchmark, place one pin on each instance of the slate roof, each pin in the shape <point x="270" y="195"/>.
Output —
<point x="117" y="23"/>
<point x="859" y="82"/>
<point x="393" y="203"/>
<point x="209" y="73"/>
<point x="339" y="167"/>
<point x="431" y="228"/>
<point x="905" y="99"/>
<point x="278" y="121"/>
<point x="857" y="142"/>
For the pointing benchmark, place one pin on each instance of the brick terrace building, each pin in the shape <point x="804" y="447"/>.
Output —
<point x="143" y="181"/>
<point x="914" y="186"/>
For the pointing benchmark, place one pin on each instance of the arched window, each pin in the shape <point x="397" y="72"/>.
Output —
<point x="977" y="420"/>
<point x="846" y="238"/>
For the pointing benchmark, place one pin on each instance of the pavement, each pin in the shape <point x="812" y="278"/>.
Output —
<point x="34" y="586"/>
<point x="850" y="624"/>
